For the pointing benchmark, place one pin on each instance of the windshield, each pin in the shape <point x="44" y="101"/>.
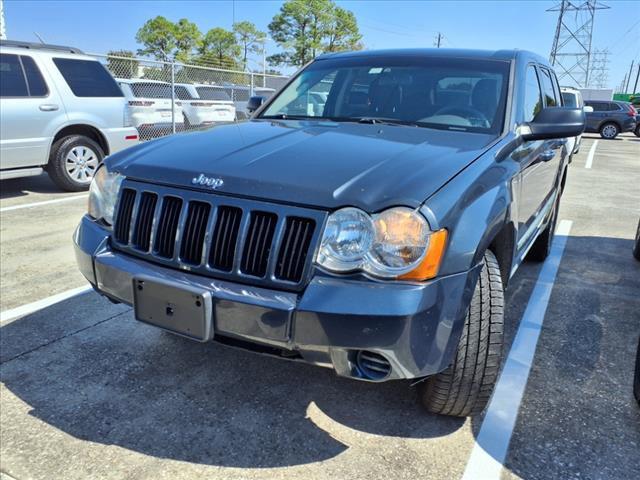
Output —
<point x="151" y="90"/>
<point x="446" y="93"/>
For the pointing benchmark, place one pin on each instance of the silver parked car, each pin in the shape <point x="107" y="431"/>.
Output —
<point x="60" y="111"/>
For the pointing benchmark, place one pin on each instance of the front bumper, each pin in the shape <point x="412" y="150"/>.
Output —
<point x="415" y="327"/>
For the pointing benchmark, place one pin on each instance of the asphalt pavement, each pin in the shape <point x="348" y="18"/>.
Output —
<point x="88" y="392"/>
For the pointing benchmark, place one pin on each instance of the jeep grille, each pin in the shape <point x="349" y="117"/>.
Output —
<point x="225" y="237"/>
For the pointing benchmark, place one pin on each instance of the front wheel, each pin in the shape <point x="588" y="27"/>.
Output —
<point x="609" y="131"/>
<point x="464" y="388"/>
<point x="73" y="162"/>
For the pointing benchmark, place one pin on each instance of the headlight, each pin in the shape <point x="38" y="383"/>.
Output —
<point x="103" y="194"/>
<point x="396" y="243"/>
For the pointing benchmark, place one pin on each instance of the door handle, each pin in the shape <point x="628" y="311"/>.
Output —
<point x="49" y="107"/>
<point x="547" y="155"/>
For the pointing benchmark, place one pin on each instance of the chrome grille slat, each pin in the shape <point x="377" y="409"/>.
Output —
<point x="258" y="243"/>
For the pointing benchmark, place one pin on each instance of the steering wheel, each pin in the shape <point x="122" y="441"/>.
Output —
<point x="474" y="116"/>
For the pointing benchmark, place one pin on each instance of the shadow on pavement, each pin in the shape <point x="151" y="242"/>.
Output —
<point x="19" y="187"/>
<point x="118" y="382"/>
<point x="578" y="417"/>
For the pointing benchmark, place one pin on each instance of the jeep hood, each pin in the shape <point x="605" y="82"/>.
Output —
<point x="312" y="163"/>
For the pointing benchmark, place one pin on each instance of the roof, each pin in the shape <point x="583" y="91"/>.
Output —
<point x="39" y="46"/>
<point x="432" y="52"/>
<point x="140" y="80"/>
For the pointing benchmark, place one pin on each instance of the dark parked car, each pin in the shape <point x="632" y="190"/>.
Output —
<point x="637" y="130"/>
<point x="611" y="118"/>
<point x="372" y="233"/>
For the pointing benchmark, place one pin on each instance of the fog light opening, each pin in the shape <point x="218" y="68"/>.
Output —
<point x="372" y="366"/>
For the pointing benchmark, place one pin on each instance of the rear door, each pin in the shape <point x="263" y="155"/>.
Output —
<point x="30" y="111"/>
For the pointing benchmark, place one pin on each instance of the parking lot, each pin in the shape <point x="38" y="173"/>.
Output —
<point x="88" y="392"/>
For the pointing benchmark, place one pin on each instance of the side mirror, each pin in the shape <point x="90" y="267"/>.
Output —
<point x="255" y="103"/>
<point x="554" y="122"/>
<point x="588" y="109"/>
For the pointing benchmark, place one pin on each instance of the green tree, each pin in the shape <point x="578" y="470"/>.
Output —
<point x="121" y="66"/>
<point x="343" y="32"/>
<point x="187" y="37"/>
<point x="219" y="48"/>
<point x="166" y="40"/>
<point x="305" y="28"/>
<point x="158" y="37"/>
<point x="249" y="38"/>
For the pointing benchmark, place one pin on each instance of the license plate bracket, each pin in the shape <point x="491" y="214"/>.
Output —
<point x="177" y="308"/>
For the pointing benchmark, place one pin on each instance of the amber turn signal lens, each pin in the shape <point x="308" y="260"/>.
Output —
<point x="430" y="265"/>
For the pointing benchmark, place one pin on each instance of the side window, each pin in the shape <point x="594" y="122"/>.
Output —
<point x="599" y="106"/>
<point x="12" y="81"/>
<point x="547" y="88"/>
<point x="87" y="78"/>
<point x="612" y="107"/>
<point x="532" y="98"/>
<point x="556" y="89"/>
<point x="37" y="85"/>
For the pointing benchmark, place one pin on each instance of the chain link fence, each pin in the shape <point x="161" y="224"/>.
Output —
<point x="165" y="98"/>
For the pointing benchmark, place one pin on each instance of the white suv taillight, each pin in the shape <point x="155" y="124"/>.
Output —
<point x="127" y="120"/>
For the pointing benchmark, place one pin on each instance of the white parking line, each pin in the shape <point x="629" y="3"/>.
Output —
<point x="46" y="202"/>
<point x="23" y="310"/>
<point x="492" y="442"/>
<point x="592" y="152"/>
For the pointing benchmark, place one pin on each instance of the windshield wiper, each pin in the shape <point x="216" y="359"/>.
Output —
<point x="385" y="121"/>
<point x="284" y="116"/>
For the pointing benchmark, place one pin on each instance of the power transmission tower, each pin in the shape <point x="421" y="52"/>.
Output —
<point x="571" y="50"/>
<point x="599" y="69"/>
<point x="438" y="40"/>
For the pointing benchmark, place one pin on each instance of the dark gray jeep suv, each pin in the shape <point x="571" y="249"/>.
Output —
<point x="366" y="218"/>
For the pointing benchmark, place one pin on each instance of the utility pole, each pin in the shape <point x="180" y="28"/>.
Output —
<point x="438" y="40"/>
<point x="626" y="89"/>
<point x="571" y="50"/>
<point x="635" y="85"/>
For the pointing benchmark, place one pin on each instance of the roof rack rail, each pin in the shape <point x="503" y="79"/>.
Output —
<point x="39" y="46"/>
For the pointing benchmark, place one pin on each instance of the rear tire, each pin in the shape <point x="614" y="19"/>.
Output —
<point x="637" y="130"/>
<point x="73" y="162"/>
<point x="541" y="248"/>
<point x="609" y="131"/>
<point x="465" y="387"/>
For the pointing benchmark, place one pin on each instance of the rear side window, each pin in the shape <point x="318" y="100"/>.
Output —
<point x="37" y="85"/>
<point x="87" y="78"/>
<point x="532" y="96"/>
<point x="598" y="106"/>
<point x="547" y="88"/>
<point x="212" y="93"/>
<point x="151" y="90"/>
<point x="12" y="81"/>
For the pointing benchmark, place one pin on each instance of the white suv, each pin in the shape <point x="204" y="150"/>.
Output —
<point x="204" y="105"/>
<point x="60" y="111"/>
<point x="150" y="104"/>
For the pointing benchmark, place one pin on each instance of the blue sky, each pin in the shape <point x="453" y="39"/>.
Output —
<point x="99" y="26"/>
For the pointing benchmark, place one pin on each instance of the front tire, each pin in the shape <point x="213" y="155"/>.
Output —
<point x="609" y="131"/>
<point x="73" y="162"/>
<point x="465" y="387"/>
